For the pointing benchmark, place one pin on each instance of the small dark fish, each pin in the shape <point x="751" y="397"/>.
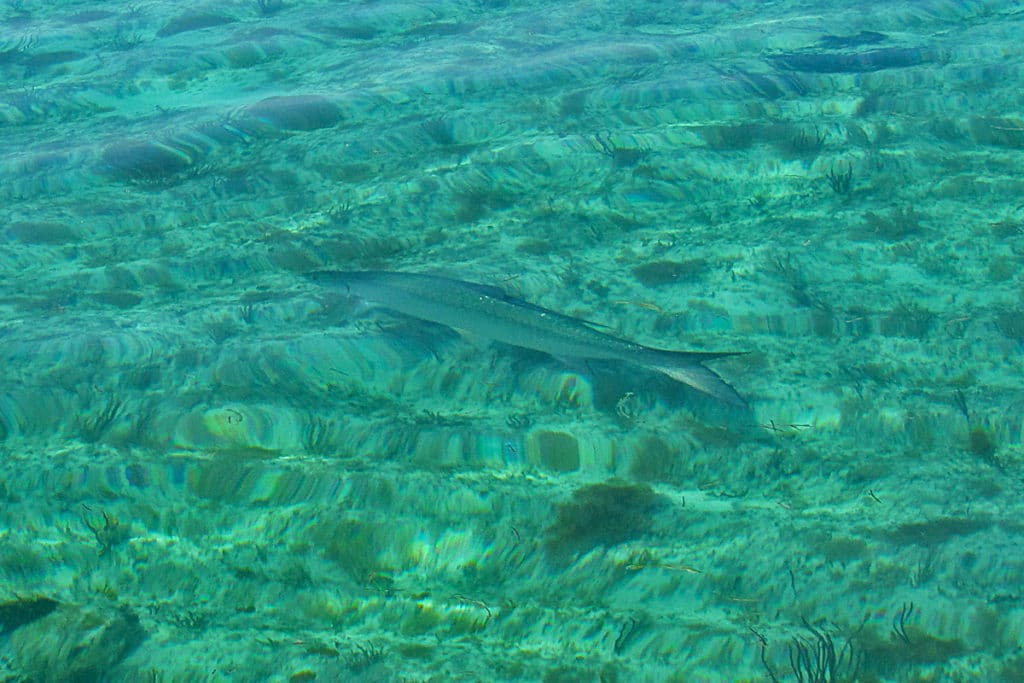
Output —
<point x="490" y="313"/>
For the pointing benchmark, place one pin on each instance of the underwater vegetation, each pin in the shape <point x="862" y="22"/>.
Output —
<point x="814" y="658"/>
<point x="907" y="319"/>
<point x="557" y="451"/>
<point x="474" y="203"/>
<point x="363" y="657"/>
<point x="840" y="181"/>
<point x="92" y="426"/>
<point x="1002" y="269"/>
<point x="441" y="131"/>
<point x="318" y="436"/>
<point x="899" y="224"/>
<point x="109" y="532"/>
<point x="982" y="444"/>
<point x="731" y="137"/>
<point x="76" y="644"/>
<point x="622" y="157"/>
<point x="935" y="532"/>
<point x="803" y="143"/>
<point x="904" y="648"/>
<point x="602" y="514"/>
<point x="793" y="276"/>
<point x="42" y="232"/>
<point x="1011" y="324"/>
<point x="653" y="460"/>
<point x="657" y="273"/>
<point x="869" y="655"/>
<point x="21" y="611"/>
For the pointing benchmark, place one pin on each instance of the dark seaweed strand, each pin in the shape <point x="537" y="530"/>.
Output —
<point x="763" y="642"/>
<point x="815" y="660"/>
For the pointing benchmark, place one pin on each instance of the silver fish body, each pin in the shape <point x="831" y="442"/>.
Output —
<point x="489" y="312"/>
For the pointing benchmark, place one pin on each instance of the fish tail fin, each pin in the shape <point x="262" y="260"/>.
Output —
<point x="689" y="369"/>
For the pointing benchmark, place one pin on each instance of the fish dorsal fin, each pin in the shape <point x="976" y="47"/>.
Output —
<point x="491" y="291"/>
<point x="554" y="314"/>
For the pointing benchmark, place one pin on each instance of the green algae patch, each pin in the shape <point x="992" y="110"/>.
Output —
<point x="556" y="451"/>
<point x="982" y="443"/>
<point x="21" y="611"/>
<point x="423" y="618"/>
<point x="76" y="643"/>
<point x="658" y="273"/>
<point x="888" y="654"/>
<point x="845" y="549"/>
<point x="410" y="650"/>
<point x="427" y="616"/>
<point x="42" y="232"/>
<point x="935" y="532"/>
<point x="603" y="514"/>
<point x="356" y="546"/>
<point x="653" y="460"/>
<point x="118" y="299"/>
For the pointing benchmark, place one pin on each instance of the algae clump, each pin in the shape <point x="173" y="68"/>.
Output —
<point x="601" y="515"/>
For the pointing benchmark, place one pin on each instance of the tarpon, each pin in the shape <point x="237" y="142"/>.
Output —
<point x="492" y="314"/>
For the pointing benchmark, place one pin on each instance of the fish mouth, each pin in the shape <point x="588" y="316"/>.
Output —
<point x="320" y="276"/>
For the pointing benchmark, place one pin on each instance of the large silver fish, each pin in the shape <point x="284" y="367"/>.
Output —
<point x="490" y="313"/>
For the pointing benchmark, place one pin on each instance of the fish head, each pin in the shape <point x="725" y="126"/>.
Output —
<point x="364" y="284"/>
<point x="335" y="279"/>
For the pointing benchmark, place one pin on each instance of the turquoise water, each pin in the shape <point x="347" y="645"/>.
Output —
<point x="214" y="470"/>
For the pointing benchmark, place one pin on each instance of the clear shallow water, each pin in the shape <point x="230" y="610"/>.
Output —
<point x="213" y="470"/>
